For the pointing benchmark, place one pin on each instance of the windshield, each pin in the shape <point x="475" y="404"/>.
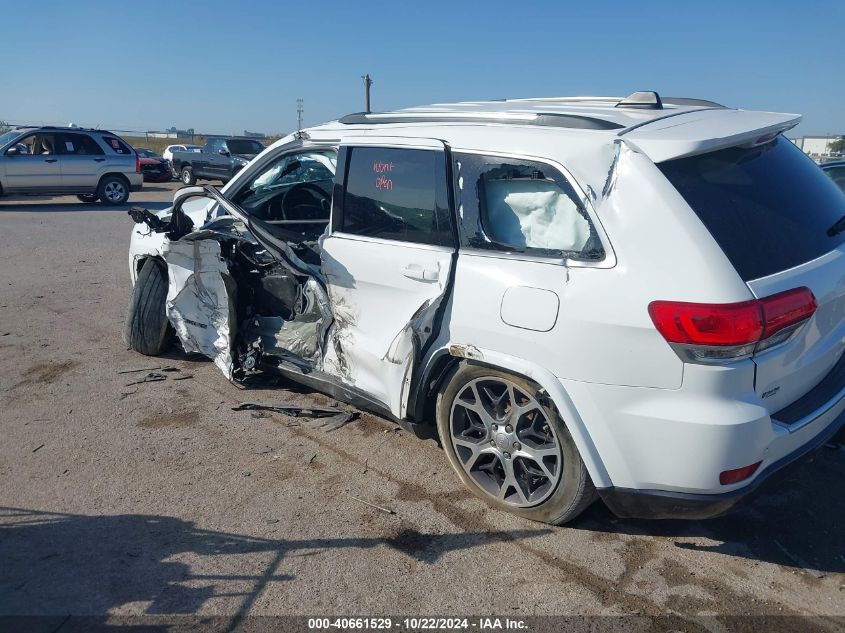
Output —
<point x="8" y="136"/>
<point x="244" y="146"/>
<point x="769" y="208"/>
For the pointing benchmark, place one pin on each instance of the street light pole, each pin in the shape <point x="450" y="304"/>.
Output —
<point x="299" y="110"/>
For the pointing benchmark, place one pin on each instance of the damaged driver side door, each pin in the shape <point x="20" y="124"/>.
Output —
<point x="388" y="262"/>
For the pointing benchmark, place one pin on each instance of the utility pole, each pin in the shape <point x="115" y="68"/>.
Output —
<point x="367" y="83"/>
<point x="299" y="110"/>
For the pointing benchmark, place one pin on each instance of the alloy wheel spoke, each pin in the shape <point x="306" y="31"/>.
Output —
<point x="511" y="482"/>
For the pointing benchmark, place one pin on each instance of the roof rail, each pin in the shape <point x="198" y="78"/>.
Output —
<point x="541" y="119"/>
<point x="75" y="128"/>
<point x="687" y="101"/>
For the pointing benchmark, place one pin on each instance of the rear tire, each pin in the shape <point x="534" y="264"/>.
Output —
<point x="187" y="176"/>
<point x="147" y="329"/>
<point x="113" y="190"/>
<point x="501" y="448"/>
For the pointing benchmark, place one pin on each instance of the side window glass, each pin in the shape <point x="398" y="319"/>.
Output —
<point x="24" y="146"/>
<point x="393" y="194"/>
<point x="80" y="145"/>
<point x="293" y="189"/>
<point x="522" y="206"/>
<point x="37" y="144"/>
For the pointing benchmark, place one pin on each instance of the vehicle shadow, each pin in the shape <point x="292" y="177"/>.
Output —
<point x="797" y="520"/>
<point x="15" y="206"/>
<point x="58" y="564"/>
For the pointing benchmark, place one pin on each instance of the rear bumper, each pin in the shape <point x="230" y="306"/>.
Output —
<point x="136" y="180"/>
<point x="661" y="504"/>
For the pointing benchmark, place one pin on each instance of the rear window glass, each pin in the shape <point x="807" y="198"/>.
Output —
<point x="117" y="145"/>
<point x="241" y="146"/>
<point x="769" y="208"/>
<point x="393" y="194"/>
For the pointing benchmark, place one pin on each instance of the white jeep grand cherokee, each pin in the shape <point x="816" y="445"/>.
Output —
<point x="639" y="298"/>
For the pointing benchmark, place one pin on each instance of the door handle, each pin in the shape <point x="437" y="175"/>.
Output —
<point x="414" y="271"/>
<point x="100" y="160"/>
<point x="50" y="160"/>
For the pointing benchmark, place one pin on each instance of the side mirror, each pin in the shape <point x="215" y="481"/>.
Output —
<point x="223" y="151"/>
<point x="13" y="151"/>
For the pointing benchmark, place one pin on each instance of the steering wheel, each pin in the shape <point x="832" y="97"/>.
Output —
<point x="304" y="194"/>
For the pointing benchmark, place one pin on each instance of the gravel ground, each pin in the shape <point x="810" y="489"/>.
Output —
<point x="157" y="498"/>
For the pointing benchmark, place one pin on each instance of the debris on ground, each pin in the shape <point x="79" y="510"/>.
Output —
<point x="330" y="418"/>
<point x="38" y="448"/>
<point x="263" y="450"/>
<point x="389" y="511"/>
<point x="137" y="369"/>
<point x="151" y="377"/>
<point x="183" y="377"/>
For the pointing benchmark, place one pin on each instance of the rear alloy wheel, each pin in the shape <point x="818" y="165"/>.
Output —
<point x="113" y="190"/>
<point x="187" y="176"/>
<point x="511" y="448"/>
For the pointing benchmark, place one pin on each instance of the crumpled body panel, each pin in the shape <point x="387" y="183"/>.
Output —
<point x="200" y="299"/>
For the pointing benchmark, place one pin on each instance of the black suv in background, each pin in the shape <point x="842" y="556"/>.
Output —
<point x="220" y="159"/>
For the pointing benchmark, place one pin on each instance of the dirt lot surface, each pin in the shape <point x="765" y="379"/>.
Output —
<point x="157" y="498"/>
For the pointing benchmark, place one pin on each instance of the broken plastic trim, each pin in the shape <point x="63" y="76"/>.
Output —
<point x="176" y="227"/>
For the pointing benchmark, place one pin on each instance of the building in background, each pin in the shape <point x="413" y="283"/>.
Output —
<point x="171" y="132"/>
<point x="821" y="147"/>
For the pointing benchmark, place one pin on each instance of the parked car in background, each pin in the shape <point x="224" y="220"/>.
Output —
<point x="167" y="154"/>
<point x="641" y="299"/>
<point x="220" y="159"/>
<point x="836" y="170"/>
<point x="93" y="164"/>
<point x="154" y="167"/>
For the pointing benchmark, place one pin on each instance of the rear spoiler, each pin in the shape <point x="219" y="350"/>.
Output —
<point x="707" y="130"/>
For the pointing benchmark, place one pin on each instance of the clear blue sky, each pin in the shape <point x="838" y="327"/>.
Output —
<point x="223" y="66"/>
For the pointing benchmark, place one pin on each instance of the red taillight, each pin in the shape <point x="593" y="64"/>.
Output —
<point x="787" y="308"/>
<point x="137" y="164"/>
<point x="742" y="326"/>
<point x="738" y="474"/>
<point x="707" y="323"/>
